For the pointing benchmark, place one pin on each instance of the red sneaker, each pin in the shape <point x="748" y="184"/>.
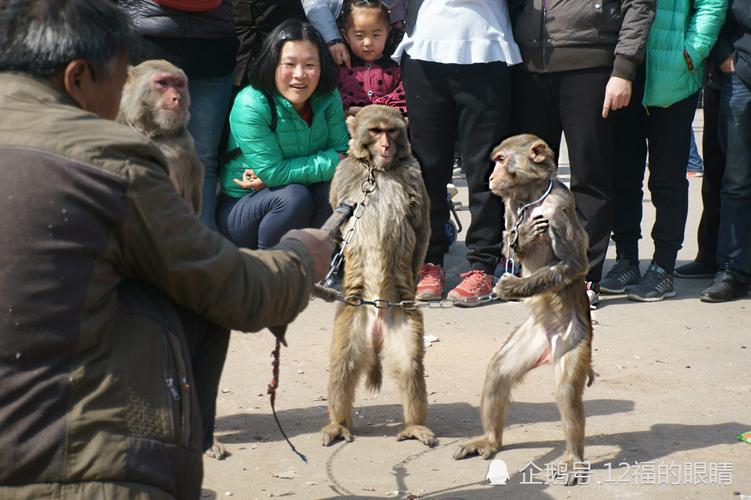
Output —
<point x="475" y="284"/>
<point x="430" y="282"/>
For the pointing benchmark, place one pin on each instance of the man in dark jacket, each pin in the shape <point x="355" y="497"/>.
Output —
<point x="733" y="53"/>
<point x="97" y="398"/>
<point x="579" y="59"/>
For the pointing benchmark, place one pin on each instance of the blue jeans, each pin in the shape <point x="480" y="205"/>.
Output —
<point x="734" y="238"/>
<point x="209" y="103"/>
<point x="259" y="219"/>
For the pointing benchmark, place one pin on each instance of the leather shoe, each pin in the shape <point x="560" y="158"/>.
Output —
<point x="724" y="288"/>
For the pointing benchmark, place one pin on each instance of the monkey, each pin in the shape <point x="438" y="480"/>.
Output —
<point x="155" y="102"/>
<point x="381" y="261"/>
<point x="549" y="241"/>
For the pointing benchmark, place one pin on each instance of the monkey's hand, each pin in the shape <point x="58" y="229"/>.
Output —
<point x="530" y="230"/>
<point x="332" y="432"/>
<point x="481" y="446"/>
<point x="507" y="287"/>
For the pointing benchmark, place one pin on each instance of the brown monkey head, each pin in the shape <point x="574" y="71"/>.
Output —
<point x="155" y="98"/>
<point x="522" y="164"/>
<point x="379" y="136"/>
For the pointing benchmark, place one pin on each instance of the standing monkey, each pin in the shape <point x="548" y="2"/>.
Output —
<point x="551" y="244"/>
<point x="155" y="103"/>
<point x="381" y="261"/>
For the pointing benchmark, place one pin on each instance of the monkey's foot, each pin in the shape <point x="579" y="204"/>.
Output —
<point x="217" y="451"/>
<point x="419" y="432"/>
<point x="333" y="431"/>
<point x="480" y="446"/>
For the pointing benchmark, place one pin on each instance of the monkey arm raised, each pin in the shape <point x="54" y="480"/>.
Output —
<point x="569" y="245"/>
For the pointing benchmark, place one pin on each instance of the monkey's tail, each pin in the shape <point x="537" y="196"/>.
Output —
<point x="375" y="378"/>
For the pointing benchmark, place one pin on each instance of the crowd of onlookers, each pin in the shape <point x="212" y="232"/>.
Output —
<point x="621" y="80"/>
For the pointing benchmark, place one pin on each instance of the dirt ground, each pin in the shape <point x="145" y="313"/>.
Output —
<point x="673" y="389"/>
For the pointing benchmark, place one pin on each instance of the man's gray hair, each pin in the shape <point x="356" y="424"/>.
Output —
<point x="40" y="37"/>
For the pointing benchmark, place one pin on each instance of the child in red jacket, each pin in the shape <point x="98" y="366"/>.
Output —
<point x="374" y="77"/>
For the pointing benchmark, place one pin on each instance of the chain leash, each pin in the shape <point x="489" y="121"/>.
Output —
<point x="512" y="241"/>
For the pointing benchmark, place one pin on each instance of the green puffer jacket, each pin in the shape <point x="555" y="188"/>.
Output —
<point x="678" y="26"/>
<point x="294" y="153"/>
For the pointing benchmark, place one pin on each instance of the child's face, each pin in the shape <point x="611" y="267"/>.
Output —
<point x="298" y="72"/>
<point x="367" y="33"/>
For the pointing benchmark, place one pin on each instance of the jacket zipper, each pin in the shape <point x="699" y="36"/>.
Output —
<point x="169" y="381"/>
<point x="544" y="33"/>
<point x="184" y="389"/>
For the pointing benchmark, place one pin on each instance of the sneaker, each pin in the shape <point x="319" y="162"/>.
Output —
<point x="724" y="289"/>
<point x="593" y="292"/>
<point x="475" y="284"/>
<point x="622" y="274"/>
<point x="656" y="284"/>
<point x="430" y="282"/>
<point x="695" y="269"/>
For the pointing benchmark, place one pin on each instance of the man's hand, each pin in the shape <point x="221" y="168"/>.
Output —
<point x="340" y="53"/>
<point x="320" y="246"/>
<point x="728" y="66"/>
<point x="352" y="110"/>
<point x="617" y="95"/>
<point x="250" y="181"/>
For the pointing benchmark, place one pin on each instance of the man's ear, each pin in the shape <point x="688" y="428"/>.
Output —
<point x="351" y="125"/>
<point x="538" y="151"/>
<point x="75" y="77"/>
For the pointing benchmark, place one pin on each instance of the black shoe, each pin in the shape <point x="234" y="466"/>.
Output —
<point x="724" y="288"/>
<point x="619" y="277"/>
<point x="656" y="284"/>
<point x="695" y="269"/>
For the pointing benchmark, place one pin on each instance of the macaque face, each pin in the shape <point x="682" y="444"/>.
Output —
<point x="171" y="101"/>
<point x="500" y="177"/>
<point x="367" y="33"/>
<point x="298" y="72"/>
<point x="383" y="144"/>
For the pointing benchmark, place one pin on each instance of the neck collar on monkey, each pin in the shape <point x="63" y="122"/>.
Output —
<point x="512" y="241"/>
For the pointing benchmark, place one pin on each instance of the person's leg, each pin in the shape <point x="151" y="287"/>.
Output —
<point x="258" y="220"/>
<point x="590" y="144"/>
<point x="734" y="240"/>
<point x="629" y="162"/>
<point x="483" y="99"/>
<point x="669" y="132"/>
<point x="432" y="129"/>
<point x="319" y="193"/>
<point x="209" y="103"/>
<point x="534" y="107"/>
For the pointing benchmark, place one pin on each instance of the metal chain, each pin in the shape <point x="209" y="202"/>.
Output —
<point x="325" y="290"/>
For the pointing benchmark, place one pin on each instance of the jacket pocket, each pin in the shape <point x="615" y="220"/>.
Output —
<point x="177" y="387"/>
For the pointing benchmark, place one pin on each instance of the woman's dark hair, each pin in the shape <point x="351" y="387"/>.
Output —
<point x="263" y="70"/>
<point x="345" y="19"/>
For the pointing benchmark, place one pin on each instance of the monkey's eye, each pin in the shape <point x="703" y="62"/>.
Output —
<point x="376" y="130"/>
<point x="500" y="157"/>
<point x="161" y="83"/>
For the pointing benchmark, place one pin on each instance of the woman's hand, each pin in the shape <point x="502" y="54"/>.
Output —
<point x="250" y="181"/>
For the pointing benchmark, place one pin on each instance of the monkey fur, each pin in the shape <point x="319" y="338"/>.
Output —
<point x="156" y="102"/>
<point x="552" y="248"/>
<point x="381" y="261"/>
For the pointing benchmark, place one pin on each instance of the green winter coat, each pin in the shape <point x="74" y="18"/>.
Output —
<point x="680" y="25"/>
<point x="293" y="153"/>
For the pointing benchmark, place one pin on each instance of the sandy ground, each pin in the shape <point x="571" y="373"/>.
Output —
<point x="673" y="389"/>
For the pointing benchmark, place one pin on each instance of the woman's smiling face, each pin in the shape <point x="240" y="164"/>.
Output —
<point x="298" y="72"/>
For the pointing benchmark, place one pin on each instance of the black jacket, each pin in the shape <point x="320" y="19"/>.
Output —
<point x="577" y="34"/>
<point x="735" y="39"/>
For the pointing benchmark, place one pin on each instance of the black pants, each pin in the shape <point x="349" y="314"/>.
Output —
<point x="571" y="102"/>
<point x="714" y="168"/>
<point x="666" y="134"/>
<point x="472" y="103"/>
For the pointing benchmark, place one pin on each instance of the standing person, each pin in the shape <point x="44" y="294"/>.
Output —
<point x="734" y="237"/>
<point x="579" y="61"/>
<point x="98" y="398"/>
<point x="374" y="77"/>
<point x="202" y="42"/>
<point x="286" y="136"/>
<point x="658" y="121"/>
<point x="458" y="85"/>
<point x="705" y="263"/>
<point x="322" y="14"/>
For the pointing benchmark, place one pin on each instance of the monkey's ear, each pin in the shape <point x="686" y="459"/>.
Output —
<point x="538" y="151"/>
<point x="351" y="125"/>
